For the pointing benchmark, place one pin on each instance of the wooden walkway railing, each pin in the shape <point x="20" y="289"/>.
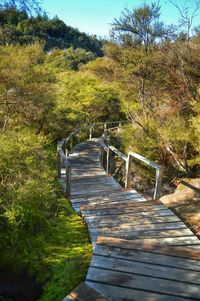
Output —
<point x="63" y="151"/>
<point x="142" y="250"/>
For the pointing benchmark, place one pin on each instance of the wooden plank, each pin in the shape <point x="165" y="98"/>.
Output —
<point x="108" y="217"/>
<point x="120" y="205"/>
<point x="132" y="227"/>
<point x="157" y="285"/>
<point x="107" y="211"/>
<point x="159" y="246"/>
<point x="158" y="264"/>
<point x="85" y="202"/>
<point x="160" y="256"/>
<point x="95" y="182"/>
<point x="100" y="178"/>
<point x="93" y="187"/>
<point x="121" y="195"/>
<point x="85" y="293"/>
<point x="121" y="294"/>
<point x="107" y="199"/>
<point x="145" y="269"/>
<point x="133" y="221"/>
<point x="93" y="192"/>
<point x="132" y="234"/>
<point x="97" y="189"/>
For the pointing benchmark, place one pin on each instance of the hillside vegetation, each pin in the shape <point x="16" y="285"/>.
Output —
<point x="18" y="27"/>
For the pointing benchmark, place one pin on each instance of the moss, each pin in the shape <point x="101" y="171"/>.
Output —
<point x="68" y="256"/>
<point x="40" y="233"/>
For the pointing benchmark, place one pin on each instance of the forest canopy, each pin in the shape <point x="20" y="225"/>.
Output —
<point x="18" y="27"/>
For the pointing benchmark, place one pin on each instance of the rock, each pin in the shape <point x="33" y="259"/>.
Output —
<point x="187" y="190"/>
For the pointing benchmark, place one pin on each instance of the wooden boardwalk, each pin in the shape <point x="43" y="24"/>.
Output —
<point x="142" y="251"/>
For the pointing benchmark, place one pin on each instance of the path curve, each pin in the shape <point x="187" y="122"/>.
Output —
<point x="142" y="251"/>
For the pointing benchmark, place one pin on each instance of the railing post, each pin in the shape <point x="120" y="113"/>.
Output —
<point x="158" y="186"/>
<point x="71" y="143"/>
<point x="59" y="165"/>
<point x="107" y="140"/>
<point x="64" y="147"/>
<point x="90" y="135"/>
<point x="78" y="135"/>
<point x="105" y="130"/>
<point x="119" y="127"/>
<point x="68" y="180"/>
<point x="109" y="153"/>
<point x="128" y="172"/>
<point x="101" y="155"/>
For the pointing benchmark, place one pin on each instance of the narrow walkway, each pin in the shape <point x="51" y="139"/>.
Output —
<point x="142" y="251"/>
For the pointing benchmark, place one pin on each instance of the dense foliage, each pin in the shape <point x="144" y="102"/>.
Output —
<point x="160" y="95"/>
<point x="17" y="27"/>
<point x="40" y="234"/>
<point x="158" y="86"/>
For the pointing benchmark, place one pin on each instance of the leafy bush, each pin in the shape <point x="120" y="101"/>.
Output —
<point x="39" y="232"/>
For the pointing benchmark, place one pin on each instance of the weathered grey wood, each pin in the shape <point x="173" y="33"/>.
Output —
<point x="157" y="285"/>
<point x="136" y="221"/>
<point x="136" y="227"/>
<point x="142" y="268"/>
<point x="108" y="217"/>
<point x="90" y="132"/>
<point x="115" y="293"/>
<point x="86" y="201"/>
<point x="85" y="293"/>
<point x="93" y="192"/>
<point x="160" y="256"/>
<point x="107" y="211"/>
<point x="118" y="153"/>
<point x="121" y="205"/>
<point x="156" y="245"/>
<point x="108" y="160"/>
<point x="134" y="234"/>
<point x="101" y="155"/>
<point x="128" y="172"/>
<point x="142" y="250"/>
<point x="68" y="181"/>
<point x="58" y="165"/>
<point x="105" y="130"/>
<point x="158" y="186"/>
<point x="78" y="135"/>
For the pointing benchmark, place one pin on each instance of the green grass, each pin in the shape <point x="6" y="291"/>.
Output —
<point x="68" y="255"/>
<point x="40" y="234"/>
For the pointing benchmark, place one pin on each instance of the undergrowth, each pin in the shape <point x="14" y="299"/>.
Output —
<point x="40" y="234"/>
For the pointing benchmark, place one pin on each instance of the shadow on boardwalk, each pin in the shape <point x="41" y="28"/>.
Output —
<point x="142" y="251"/>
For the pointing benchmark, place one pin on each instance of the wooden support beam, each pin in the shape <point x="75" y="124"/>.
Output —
<point x="128" y="171"/>
<point x="59" y="165"/>
<point x="68" y="181"/>
<point x="90" y="134"/>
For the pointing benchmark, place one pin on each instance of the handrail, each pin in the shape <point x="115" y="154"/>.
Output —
<point x="63" y="153"/>
<point x="116" y="151"/>
<point x="128" y="159"/>
<point x="159" y="172"/>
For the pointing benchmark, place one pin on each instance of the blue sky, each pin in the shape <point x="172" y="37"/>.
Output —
<point x="94" y="16"/>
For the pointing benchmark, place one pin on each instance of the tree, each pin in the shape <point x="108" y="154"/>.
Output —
<point x="25" y="88"/>
<point x="70" y="58"/>
<point x="186" y="17"/>
<point x="30" y="6"/>
<point x="140" y="25"/>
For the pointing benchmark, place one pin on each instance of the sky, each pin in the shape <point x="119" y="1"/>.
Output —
<point x="95" y="16"/>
